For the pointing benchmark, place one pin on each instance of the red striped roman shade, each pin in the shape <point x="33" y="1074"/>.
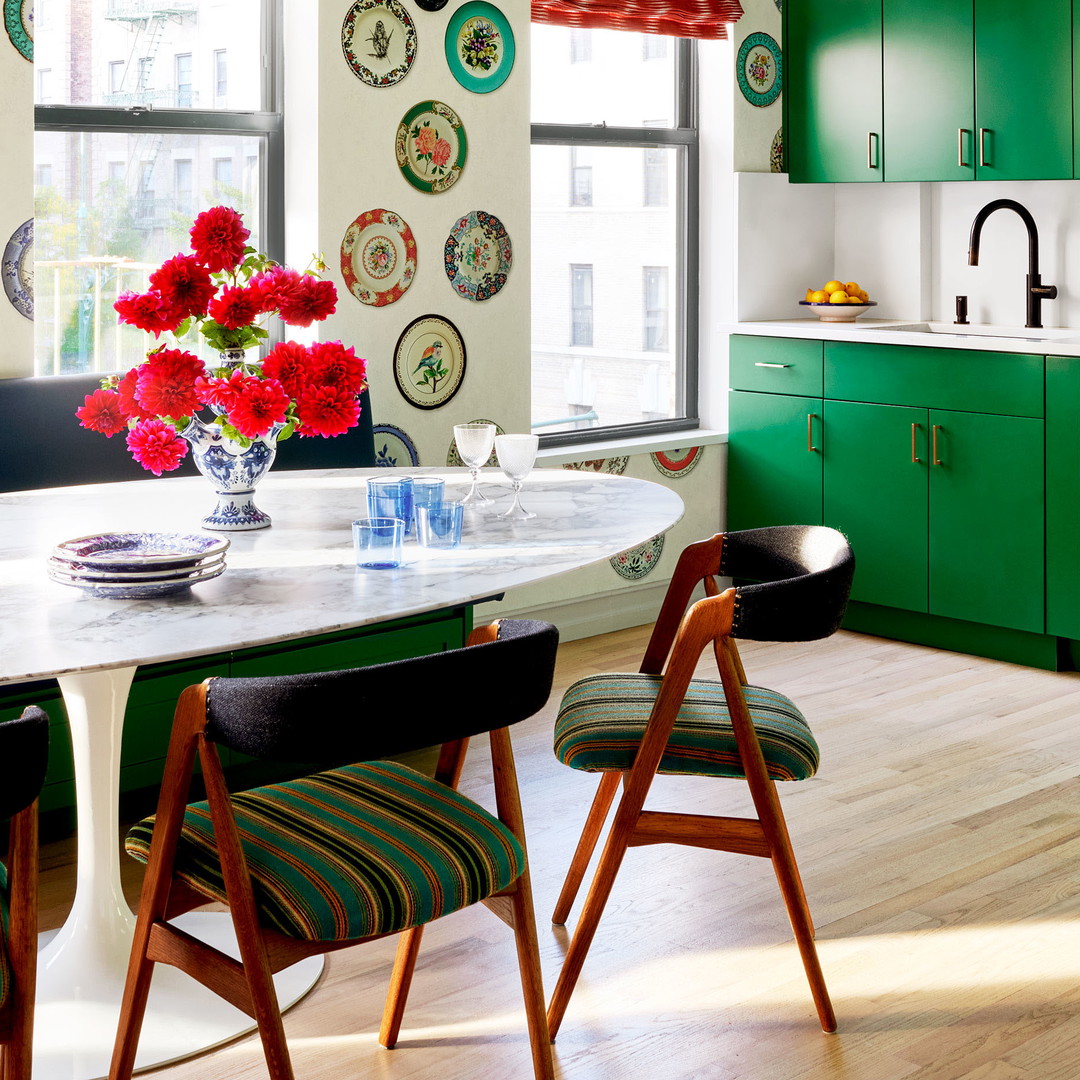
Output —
<point x="677" y="18"/>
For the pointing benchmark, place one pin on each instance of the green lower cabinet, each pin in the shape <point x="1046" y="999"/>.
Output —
<point x="774" y="460"/>
<point x="875" y="492"/>
<point x="1063" y="496"/>
<point x="987" y="513"/>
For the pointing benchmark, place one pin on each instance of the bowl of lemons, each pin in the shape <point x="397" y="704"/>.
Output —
<point x="838" y="301"/>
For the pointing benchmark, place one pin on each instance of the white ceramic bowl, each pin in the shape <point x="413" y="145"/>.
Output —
<point x="838" y="312"/>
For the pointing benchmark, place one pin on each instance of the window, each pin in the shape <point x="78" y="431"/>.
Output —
<point x="654" y="47"/>
<point x="221" y="74"/>
<point x="580" y="176"/>
<point x="45" y="84"/>
<point x="628" y="236"/>
<point x="133" y="153"/>
<point x="655" y="290"/>
<point x="580" y="46"/>
<point x="581" y="305"/>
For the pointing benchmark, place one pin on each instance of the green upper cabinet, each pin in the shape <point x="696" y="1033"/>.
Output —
<point x="832" y="90"/>
<point x="928" y="79"/>
<point x="1023" y="90"/>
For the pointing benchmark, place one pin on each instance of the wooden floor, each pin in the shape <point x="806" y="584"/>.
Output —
<point x="940" y="847"/>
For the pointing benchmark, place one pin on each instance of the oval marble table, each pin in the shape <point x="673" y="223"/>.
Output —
<point x="292" y="580"/>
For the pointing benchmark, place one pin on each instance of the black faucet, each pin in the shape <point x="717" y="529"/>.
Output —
<point x="1035" y="292"/>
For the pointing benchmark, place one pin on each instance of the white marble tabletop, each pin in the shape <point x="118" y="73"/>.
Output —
<point x="297" y="577"/>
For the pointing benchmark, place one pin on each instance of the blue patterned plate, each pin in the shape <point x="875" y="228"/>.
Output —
<point x="141" y="551"/>
<point x="137" y="590"/>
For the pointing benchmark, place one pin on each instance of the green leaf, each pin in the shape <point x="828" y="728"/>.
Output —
<point x="287" y="430"/>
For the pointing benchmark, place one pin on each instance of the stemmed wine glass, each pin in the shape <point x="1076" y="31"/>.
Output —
<point x="516" y="455"/>
<point x="474" y="443"/>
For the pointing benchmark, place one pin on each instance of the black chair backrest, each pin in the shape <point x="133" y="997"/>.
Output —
<point x="802" y="579"/>
<point x="361" y="714"/>
<point x="24" y="757"/>
<point x="71" y="454"/>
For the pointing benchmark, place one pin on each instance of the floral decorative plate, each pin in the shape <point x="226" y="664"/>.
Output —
<point x="139" y="551"/>
<point x="378" y="257"/>
<point x="637" y="562"/>
<point x="17" y="269"/>
<point x="453" y="458"/>
<point x="614" y="465"/>
<point x="19" y="21"/>
<point x="431" y="147"/>
<point x="61" y="568"/>
<point x="393" y="448"/>
<point x="429" y="361"/>
<point x="379" y="41"/>
<point x="776" y="152"/>
<point x="478" y="255"/>
<point x="759" y="70"/>
<point x="677" y="462"/>
<point x="479" y="46"/>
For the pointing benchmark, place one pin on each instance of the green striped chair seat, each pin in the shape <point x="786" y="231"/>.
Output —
<point x="5" y="969"/>
<point x="351" y="852"/>
<point x="602" y="718"/>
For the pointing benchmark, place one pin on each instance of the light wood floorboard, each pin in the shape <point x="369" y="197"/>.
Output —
<point x="940" y="847"/>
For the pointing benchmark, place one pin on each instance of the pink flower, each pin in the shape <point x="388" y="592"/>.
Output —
<point x="127" y="388"/>
<point x="288" y="362"/>
<point x="102" y="412"/>
<point x="148" y="311"/>
<point x="166" y="383"/>
<point x="259" y="405"/>
<point x="156" y="446"/>
<point x="441" y="154"/>
<point x="309" y="300"/>
<point x="218" y="238"/>
<point x="425" y="139"/>
<point x="184" y="284"/>
<point x="327" y="411"/>
<point x="236" y="307"/>
<point x="334" y="365"/>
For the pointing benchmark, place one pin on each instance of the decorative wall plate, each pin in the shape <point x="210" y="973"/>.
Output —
<point x="614" y="465"/>
<point x="378" y="257"/>
<point x="379" y="41"/>
<point x="431" y="5"/>
<point x="479" y="46"/>
<point x="429" y="361"/>
<point x="478" y="255"/>
<point x="430" y="146"/>
<point x="759" y="69"/>
<point x="17" y="269"/>
<point x="776" y="152"/>
<point x="393" y="448"/>
<point x="638" y="562"/>
<point x="677" y="462"/>
<point x="19" y="21"/>
<point x="453" y="458"/>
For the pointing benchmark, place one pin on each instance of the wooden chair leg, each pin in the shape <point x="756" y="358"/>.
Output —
<point x="23" y="941"/>
<point x="532" y="983"/>
<point x="404" y="963"/>
<point x="132" y="1008"/>
<point x="598" y="811"/>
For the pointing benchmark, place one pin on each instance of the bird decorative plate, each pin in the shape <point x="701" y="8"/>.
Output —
<point x="378" y="38"/>
<point x="478" y="255"/>
<point x="378" y="257"/>
<point x="479" y="46"/>
<point x="429" y="361"/>
<point x="430" y="146"/>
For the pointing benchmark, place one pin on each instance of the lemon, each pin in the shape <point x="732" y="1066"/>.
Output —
<point x="832" y="286"/>
<point x="854" y="299"/>
<point x="852" y="288"/>
<point x="864" y="296"/>
<point x="819" y="296"/>
<point x="838" y="297"/>
<point x="810" y="294"/>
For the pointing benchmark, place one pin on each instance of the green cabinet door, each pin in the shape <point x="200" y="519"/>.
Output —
<point x="1063" y="496"/>
<point x="875" y="493"/>
<point x="928" y="90"/>
<point x="987" y="507"/>
<point x="774" y="460"/>
<point x="1023" y="90"/>
<point x="832" y="90"/>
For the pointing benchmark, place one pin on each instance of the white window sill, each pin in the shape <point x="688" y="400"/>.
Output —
<point x="640" y="444"/>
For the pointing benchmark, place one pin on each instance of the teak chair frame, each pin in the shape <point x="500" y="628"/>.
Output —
<point x="684" y="635"/>
<point x="248" y="984"/>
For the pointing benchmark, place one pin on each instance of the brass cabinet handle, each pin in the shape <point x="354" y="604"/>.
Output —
<point x="982" y="146"/>
<point x="810" y="418"/>
<point x="960" y="133"/>
<point x="936" y="428"/>
<point x="760" y="363"/>
<point x="914" y="451"/>
<point x="871" y="136"/>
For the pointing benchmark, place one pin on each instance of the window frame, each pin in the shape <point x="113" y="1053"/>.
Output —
<point x="682" y="318"/>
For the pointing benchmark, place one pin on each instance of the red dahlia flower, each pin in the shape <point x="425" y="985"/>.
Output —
<point x="309" y="300"/>
<point x="218" y="238"/>
<point x="327" y="411"/>
<point x="166" y="385"/>
<point x="149" y="311"/>
<point x="184" y="284"/>
<point x="156" y="446"/>
<point x="103" y="412"/>
<point x="221" y="392"/>
<point x="334" y="365"/>
<point x="273" y="284"/>
<point x="259" y="405"/>
<point x="236" y="307"/>
<point x="288" y="362"/>
<point x="127" y="388"/>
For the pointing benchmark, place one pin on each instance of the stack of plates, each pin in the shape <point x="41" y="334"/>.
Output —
<point x="130" y="566"/>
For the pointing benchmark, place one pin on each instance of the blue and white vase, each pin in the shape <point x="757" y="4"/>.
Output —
<point x="234" y="470"/>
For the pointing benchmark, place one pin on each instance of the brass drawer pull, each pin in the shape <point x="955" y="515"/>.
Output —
<point x="759" y="363"/>
<point x="982" y="146"/>
<point x="937" y="461"/>
<point x="960" y="133"/>
<point x="810" y="418"/>
<point x="914" y="451"/>
<point x="871" y="157"/>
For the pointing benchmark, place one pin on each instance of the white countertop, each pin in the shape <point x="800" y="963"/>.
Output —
<point x="297" y="577"/>
<point x="1051" y="341"/>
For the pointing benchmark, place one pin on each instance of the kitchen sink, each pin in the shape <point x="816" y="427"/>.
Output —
<point x="1016" y="333"/>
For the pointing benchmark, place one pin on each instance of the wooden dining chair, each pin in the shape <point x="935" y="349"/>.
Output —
<point x="24" y="755"/>
<point x="352" y="852"/>
<point x="629" y="727"/>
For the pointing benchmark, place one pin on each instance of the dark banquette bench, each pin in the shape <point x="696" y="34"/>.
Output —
<point x="42" y="443"/>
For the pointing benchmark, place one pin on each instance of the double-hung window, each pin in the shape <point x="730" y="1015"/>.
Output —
<point x="616" y="262"/>
<point x="131" y="142"/>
